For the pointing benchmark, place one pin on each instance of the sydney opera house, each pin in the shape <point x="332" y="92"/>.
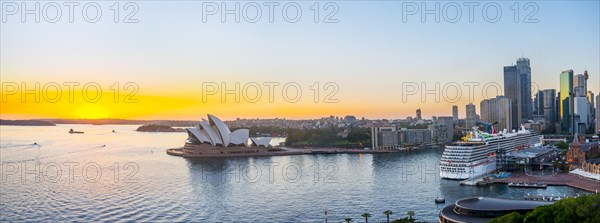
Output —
<point x="213" y="138"/>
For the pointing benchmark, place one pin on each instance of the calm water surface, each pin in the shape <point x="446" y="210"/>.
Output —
<point x="106" y="176"/>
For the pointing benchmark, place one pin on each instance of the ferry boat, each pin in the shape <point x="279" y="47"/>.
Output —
<point x="475" y="155"/>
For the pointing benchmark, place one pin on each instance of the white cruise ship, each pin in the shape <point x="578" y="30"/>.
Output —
<point x="475" y="155"/>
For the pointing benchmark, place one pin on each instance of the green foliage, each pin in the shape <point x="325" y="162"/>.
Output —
<point x="407" y="220"/>
<point x="265" y="129"/>
<point x="360" y="135"/>
<point x="509" y="218"/>
<point x="357" y="137"/>
<point x="584" y="209"/>
<point x="562" y="145"/>
<point x="387" y="213"/>
<point x="366" y="215"/>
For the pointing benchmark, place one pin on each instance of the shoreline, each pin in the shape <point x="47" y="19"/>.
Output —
<point x="286" y="152"/>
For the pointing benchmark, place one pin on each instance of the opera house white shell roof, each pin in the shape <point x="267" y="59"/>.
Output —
<point x="215" y="132"/>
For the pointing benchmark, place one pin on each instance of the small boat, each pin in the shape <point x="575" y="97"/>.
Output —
<point x="440" y="200"/>
<point x="529" y="185"/>
<point x="75" y="132"/>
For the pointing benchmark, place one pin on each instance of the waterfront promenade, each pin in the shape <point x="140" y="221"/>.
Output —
<point x="560" y="179"/>
<point x="286" y="151"/>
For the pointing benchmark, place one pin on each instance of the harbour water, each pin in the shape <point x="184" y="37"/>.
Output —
<point x="126" y="175"/>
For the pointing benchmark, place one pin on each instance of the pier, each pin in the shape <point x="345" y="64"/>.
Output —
<point x="527" y="185"/>
<point x="546" y="197"/>
<point x="560" y="179"/>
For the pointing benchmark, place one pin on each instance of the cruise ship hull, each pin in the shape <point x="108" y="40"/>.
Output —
<point x="470" y="172"/>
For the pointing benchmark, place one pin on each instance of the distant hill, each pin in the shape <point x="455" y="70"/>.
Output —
<point x="26" y="122"/>
<point x="158" y="128"/>
<point x="112" y="121"/>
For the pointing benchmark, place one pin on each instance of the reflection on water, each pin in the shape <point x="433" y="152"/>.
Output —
<point x="126" y="175"/>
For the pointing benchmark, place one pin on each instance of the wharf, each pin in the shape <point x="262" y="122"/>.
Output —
<point x="560" y="179"/>
<point x="292" y="151"/>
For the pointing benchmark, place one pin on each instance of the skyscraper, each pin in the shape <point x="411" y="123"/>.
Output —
<point x="581" y="106"/>
<point x="549" y="106"/>
<point x="597" y="114"/>
<point x="580" y="85"/>
<point x="471" y="116"/>
<point x="517" y="87"/>
<point x="449" y="122"/>
<point x="592" y="106"/>
<point x="524" y="70"/>
<point x="581" y="113"/>
<point x="538" y="103"/>
<point x="566" y="101"/>
<point x="512" y="91"/>
<point x="497" y="110"/>
<point x="455" y="112"/>
<point x="418" y="114"/>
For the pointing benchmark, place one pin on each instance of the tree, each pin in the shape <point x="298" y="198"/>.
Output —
<point x="348" y="220"/>
<point x="562" y="145"/>
<point x="410" y="215"/>
<point x="387" y="213"/>
<point x="513" y="217"/>
<point x="581" y="209"/>
<point x="366" y="215"/>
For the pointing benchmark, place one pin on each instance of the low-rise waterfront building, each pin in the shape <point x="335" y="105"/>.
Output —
<point x="439" y="133"/>
<point x="415" y="136"/>
<point x="391" y="137"/>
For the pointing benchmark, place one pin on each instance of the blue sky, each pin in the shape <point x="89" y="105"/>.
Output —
<point x="368" y="53"/>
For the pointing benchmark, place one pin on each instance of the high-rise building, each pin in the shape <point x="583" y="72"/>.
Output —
<point x="517" y="87"/>
<point x="524" y="69"/>
<point x="538" y="103"/>
<point x="581" y="104"/>
<point x="592" y="106"/>
<point x="455" y="113"/>
<point x="512" y="91"/>
<point x="579" y="85"/>
<point x="581" y="111"/>
<point x="597" y="114"/>
<point x="566" y="101"/>
<point x="418" y="114"/>
<point x="497" y="110"/>
<point x="549" y="106"/>
<point x="471" y="116"/>
<point x="449" y="122"/>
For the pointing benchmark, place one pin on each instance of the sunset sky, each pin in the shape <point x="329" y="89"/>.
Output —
<point x="368" y="54"/>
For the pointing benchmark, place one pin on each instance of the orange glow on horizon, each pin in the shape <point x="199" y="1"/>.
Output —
<point x="179" y="105"/>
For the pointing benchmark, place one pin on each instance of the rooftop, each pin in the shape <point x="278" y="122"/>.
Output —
<point x="531" y="153"/>
<point x="595" y="161"/>
<point x="497" y="204"/>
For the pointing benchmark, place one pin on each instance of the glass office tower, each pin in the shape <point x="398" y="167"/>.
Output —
<point x="566" y="101"/>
